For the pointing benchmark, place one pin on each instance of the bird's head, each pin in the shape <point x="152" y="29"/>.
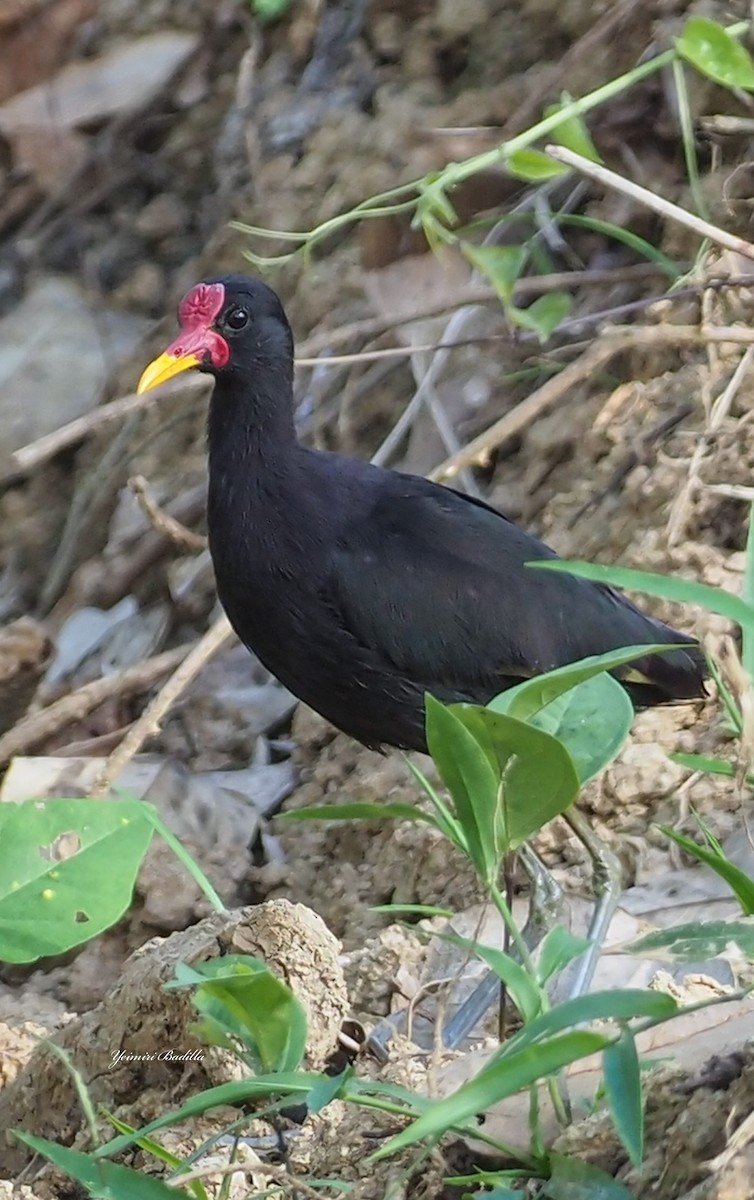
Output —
<point x="229" y="326"/>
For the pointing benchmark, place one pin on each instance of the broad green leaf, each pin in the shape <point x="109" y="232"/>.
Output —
<point x="620" y="1064"/>
<point x="558" y="948"/>
<point x="502" y="265"/>
<point x="529" y="697"/>
<point x="495" y="1083"/>
<point x="544" y="314"/>
<point x="539" y="780"/>
<point x="103" y="1180"/>
<point x="592" y="721"/>
<point x="574" y="1179"/>
<point x="572" y="132"/>
<point x="686" y="591"/>
<point x="711" y="49"/>
<point x="737" y="880"/>
<point x="242" y="996"/>
<point x="698" y="941"/>
<point x="466" y="771"/>
<point x="67" y="872"/>
<point x="533" y="166"/>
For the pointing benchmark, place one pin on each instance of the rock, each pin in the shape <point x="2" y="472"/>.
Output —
<point x="56" y="352"/>
<point x="114" y="83"/>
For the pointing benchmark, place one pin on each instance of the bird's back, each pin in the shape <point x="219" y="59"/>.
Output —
<point x="362" y="589"/>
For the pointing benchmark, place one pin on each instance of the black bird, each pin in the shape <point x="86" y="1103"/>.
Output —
<point x="360" y="588"/>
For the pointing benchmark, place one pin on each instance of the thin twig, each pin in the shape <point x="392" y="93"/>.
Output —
<point x="612" y="342"/>
<point x="149" y="721"/>
<point x="650" y="200"/>
<point x="46" y="722"/>
<point x="534" y="285"/>
<point x="27" y="457"/>
<point x="720" y="409"/>
<point x="734" y="491"/>
<point x="162" y="521"/>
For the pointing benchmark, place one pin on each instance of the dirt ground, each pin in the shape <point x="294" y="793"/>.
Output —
<point x="286" y="126"/>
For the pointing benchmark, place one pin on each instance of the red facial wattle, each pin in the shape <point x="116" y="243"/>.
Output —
<point x="197" y="312"/>
<point x="198" y="343"/>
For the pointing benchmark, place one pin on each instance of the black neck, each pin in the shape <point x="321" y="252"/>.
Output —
<point x="250" y="425"/>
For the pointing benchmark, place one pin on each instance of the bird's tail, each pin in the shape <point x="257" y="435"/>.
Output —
<point x="665" y="678"/>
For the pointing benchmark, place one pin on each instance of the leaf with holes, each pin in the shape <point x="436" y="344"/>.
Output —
<point x="67" y="872"/>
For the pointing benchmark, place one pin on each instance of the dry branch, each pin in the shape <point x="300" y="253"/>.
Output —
<point x="46" y="722"/>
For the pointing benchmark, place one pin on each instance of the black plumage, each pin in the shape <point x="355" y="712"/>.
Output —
<point x="362" y="589"/>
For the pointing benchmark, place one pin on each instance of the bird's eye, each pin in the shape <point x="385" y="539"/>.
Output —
<point x="237" y="318"/>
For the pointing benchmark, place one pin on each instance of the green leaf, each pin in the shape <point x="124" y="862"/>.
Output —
<point x="737" y="880"/>
<point x="288" y="1088"/>
<point x="596" y="1006"/>
<point x="665" y="586"/>
<point x="359" y="811"/>
<point x="242" y="996"/>
<point x="529" y="697"/>
<point x="532" y="166"/>
<point x="574" y="1179"/>
<point x="67" y="872"/>
<point x="418" y="910"/>
<point x="592" y="721"/>
<point x="467" y="773"/>
<point x="622" y="1073"/>
<point x="103" y="1180"/>
<point x="558" y="948"/>
<point x="446" y="822"/>
<point x="572" y="132"/>
<point x="158" y="1151"/>
<point x="324" y="1092"/>
<point x="544" y="314"/>
<point x="539" y="780"/>
<point x="627" y="237"/>
<point x="526" y="995"/>
<point x="697" y="941"/>
<point x="495" y="1083"/>
<point x="711" y="49"/>
<point x="747" y="648"/>
<point x="703" y="762"/>
<point x="502" y="265"/>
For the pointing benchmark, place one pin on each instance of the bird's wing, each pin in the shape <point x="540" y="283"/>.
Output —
<point x="436" y="584"/>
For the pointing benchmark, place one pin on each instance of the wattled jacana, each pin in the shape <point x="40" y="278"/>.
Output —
<point x="360" y="588"/>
